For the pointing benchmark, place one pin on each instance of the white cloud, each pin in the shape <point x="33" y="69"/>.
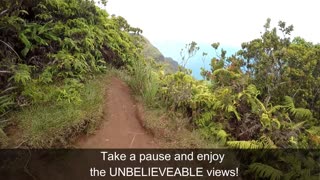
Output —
<point x="227" y="21"/>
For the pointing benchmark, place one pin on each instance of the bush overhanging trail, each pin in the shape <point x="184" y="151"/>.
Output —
<point x="265" y="96"/>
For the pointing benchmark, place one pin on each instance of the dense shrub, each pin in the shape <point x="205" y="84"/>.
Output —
<point x="49" y="48"/>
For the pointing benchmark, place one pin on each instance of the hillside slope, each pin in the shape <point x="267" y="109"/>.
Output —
<point x="150" y="51"/>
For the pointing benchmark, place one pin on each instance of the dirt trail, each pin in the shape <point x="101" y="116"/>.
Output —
<point x="121" y="127"/>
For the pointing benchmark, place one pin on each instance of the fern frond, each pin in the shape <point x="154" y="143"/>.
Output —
<point x="314" y="130"/>
<point x="205" y="118"/>
<point x="299" y="125"/>
<point x="252" y="89"/>
<point x="265" y="120"/>
<point x="245" y="144"/>
<point x="21" y="74"/>
<point x="265" y="171"/>
<point x="5" y="102"/>
<point x="288" y="102"/>
<point x="222" y="136"/>
<point x="301" y="113"/>
<point x="275" y="108"/>
<point x="231" y="108"/>
<point x="277" y="122"/>
<point x="267" y="142"/>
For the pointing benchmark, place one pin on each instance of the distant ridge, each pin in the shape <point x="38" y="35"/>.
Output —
<point x="150" y="51"/>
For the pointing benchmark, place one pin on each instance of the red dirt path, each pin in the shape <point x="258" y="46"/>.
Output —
<point x="121" y="126"/>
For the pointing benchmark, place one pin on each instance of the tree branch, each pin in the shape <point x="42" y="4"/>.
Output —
<point x="5" y="72"/>
<point x="10" y="48"/>
<point x="3" y="12"/>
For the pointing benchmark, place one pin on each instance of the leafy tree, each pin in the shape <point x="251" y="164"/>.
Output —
<point x="279" y="66"/>
<point x="188" y="52"/>
<point x="265" y="60"/>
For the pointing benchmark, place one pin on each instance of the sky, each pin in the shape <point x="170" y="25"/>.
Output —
<point x="229" y="22"/>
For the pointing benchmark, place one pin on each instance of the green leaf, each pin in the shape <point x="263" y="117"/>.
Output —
<point x="21" y="74"/>
<point x="265" y="171"/>
<point x="26" y="42"/>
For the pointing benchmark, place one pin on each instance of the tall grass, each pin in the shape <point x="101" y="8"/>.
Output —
<point x="151" y="88"/>
<point x="54" y="125"/>
<point x="144" y="81"/>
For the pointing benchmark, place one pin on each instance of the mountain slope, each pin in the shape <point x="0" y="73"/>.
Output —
<point x="150" y="51"/>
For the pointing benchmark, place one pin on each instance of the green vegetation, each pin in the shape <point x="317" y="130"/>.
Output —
<point x="257" y="98"/>
<point x="59" y="123"/>
<point x="266" y="96"/>
<point x="174" y="130"/>
<point x="49" y="51"/>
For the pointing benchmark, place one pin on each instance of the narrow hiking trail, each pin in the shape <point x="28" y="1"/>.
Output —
<point x="121" y="126"/>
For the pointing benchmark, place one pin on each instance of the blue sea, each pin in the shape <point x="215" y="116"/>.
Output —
<point x="172" y="49"/>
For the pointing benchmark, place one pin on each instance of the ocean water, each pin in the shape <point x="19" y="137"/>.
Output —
<point x="172" y="49"/>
